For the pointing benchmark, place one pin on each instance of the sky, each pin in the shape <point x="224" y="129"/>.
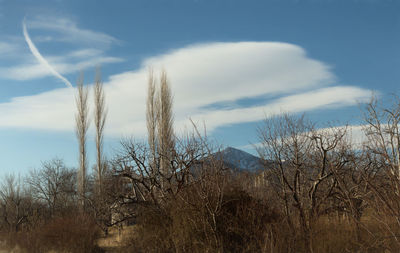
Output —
<point x="230" y="63"/>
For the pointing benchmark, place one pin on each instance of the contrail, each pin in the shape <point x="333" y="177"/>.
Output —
<point x="40" y="58"/>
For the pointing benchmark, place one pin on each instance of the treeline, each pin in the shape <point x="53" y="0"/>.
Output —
<point x="319" y="190"/>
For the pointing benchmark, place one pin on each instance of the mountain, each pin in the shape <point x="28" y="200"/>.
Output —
<point x="240" y="160"/>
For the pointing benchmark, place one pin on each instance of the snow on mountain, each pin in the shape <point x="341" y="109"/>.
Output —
<point x="241" y="160"/>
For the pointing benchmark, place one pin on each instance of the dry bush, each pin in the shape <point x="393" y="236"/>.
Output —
<point x="72" y="234"/>
<point x="213" y="215"/>
<point x="152" y="233"/>
<point x="245" y="223"/>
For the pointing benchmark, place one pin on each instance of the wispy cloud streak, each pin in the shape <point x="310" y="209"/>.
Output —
<point x="40" y="58"/>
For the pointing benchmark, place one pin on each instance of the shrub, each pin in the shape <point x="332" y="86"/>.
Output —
<point x="72" y="234"/>
<point x="235" y="222"/>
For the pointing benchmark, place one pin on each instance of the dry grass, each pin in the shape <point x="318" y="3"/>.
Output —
<point x="116" y="238"/>
<point x="72" y="234"/>
<point x="239" y="225"/>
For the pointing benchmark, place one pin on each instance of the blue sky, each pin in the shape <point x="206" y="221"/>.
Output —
<point x="230" y="63"/>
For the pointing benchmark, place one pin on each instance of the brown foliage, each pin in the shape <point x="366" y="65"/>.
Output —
<point x="73" y="234"/>
<point x="201" y="219"/>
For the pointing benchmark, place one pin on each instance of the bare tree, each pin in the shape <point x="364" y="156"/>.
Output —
<point x="382" y="151"/>
<point x="53" y="184"/>
<point x="159" y="168"/>
<point x="15" y="204"/>
<point x="159" y="120"/>
<point x="303" y="162"/>
<point x="100" y="115"/>
<point x="82" y="125"/>
<point x="165" y="125"/>
<point x="151" y="118"/>
<point x="383" y="133"/>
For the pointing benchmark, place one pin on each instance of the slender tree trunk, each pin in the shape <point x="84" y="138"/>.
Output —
<point x="151" y="121"/>
<point x="165" y="126"/>
<point x="99" y="121"/>
<point x="82" y="125"/>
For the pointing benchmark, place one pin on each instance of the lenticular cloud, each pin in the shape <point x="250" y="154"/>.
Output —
<point x="272" y="77"/>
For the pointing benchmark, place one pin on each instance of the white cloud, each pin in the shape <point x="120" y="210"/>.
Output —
<point x="324" y="98"/>
<point x="88" y="50"/>
<point x="68" y="31"/>
<point x="355" y="136"/>
<point x="84" y="53"/>
<point x="239" y="70"/>
<point x="40" y="111"/>
<point x="61" y="64"/>
<point x="7" y="48"/>
<point x="200" y="76"/>
<point x="43" y="38"/>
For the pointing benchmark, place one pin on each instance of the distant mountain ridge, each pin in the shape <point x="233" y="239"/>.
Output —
<point x="240" y="160"/>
